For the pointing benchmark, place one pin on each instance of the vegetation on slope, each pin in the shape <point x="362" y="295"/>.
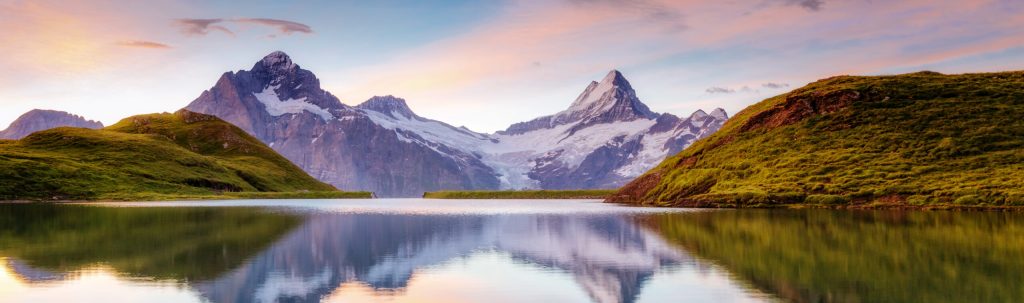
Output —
<point x="158" y="156"/>
<point x="815" y="255"/>
<point x="183" y="243"/>
<point x="921" y="139"/>
<point x="521" y="194"/>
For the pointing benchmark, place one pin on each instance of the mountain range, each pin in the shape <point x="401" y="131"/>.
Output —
<point x="41" y="119"/>
<point x="604" y="139"/>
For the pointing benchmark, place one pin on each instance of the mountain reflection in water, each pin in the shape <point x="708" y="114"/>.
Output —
<point x="313" y="252"/>
<point x="607" y="255"/>
<point x="501" y="251"/>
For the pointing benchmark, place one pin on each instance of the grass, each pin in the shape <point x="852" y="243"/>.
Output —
<point x="913" y="140"/>
<point x="151" y="157"/>
<point x="521" y="194"/>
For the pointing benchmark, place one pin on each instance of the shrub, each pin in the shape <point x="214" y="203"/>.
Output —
<point x="968" y="200"/>
<point x="826" y="199"/>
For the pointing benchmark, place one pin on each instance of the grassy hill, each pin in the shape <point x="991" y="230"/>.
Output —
<point x="157" y="156"/>
<point x="914" y="140"/>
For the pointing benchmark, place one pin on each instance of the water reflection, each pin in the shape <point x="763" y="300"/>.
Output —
<point x="862" y="256"/>
<point x="313" y="252"/>
<point x="609" y="256"/>
<point x="412" y="251"/>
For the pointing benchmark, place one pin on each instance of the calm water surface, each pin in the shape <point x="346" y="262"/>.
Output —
<point x="413" y="250"/>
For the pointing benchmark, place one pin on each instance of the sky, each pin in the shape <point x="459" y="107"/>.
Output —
<point x="486" y="64"/>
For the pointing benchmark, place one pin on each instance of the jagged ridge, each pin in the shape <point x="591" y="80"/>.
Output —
<point x="40" y="119"/>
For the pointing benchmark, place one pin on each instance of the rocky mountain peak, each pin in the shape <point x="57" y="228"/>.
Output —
<point x="602" y="95"/>
<point x="277" y="67"/>
<point x="612" y="99"/>
<point x="41" y="119"/>
<point x="720" y="114"/>
<point x="699" y="115"/>
<point x="389" y="105"/>
<point x="615" y="78"/>
<point x="277" y="61"/>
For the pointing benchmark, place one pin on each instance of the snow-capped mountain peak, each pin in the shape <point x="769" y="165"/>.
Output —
<point x="613" y="95"/>
<point x="616" y="78"/>
<point x="388" y="105"/>
<point x="720" y="114"/>
<point x="612" y="99"/>
<point x="278" y="60"/>
<point x="699" y="115"/>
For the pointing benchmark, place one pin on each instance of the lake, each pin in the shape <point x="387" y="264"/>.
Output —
<point x="416" y="250"/>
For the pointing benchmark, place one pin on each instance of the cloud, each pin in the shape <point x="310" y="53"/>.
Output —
<point x="720" y="90"/>
<point x="201" y="27"/>
<point x="774" y="85"/>
<point x="283" y="26"/>
<point x="726" y="90"/>
<point x="502" y="52"/>
<point x="143" y="44"/>
<point x="812" y="5"/>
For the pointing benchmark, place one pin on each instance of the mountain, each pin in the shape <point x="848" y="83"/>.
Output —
<point x="611" y="100"/>
<point x="184" y="154"/>
<point x="349" y="147"/>
<point x="604" y="139"/>
<point x="41" y="119"/>
<point x="922" y="139"/>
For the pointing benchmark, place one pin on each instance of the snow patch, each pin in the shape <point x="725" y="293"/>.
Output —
<point x="276" y="107"/>
<point x="512" y="157"/>
<point x="285" y="285"/>
<point x="515" y="155"/>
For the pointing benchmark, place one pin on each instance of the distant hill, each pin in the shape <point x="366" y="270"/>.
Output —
<point x="41" y="119"/>
<point x="920" y="139"/>
<point x="155" y="156"/>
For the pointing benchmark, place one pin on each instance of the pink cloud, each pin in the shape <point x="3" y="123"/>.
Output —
<point x="143" y="44"/>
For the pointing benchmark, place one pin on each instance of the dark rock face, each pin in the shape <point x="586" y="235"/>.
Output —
<point x="40" y="119"/>
<point x="604" y="139"/>
<point x="594" y="171"/>
<point x="284" y="106"/>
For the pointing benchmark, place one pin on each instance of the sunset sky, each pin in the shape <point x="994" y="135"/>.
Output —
<point x="485" y="64"/>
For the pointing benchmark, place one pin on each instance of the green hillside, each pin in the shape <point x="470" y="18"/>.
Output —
<point x="915" y="140"/>
<point x="157" y="156"/>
